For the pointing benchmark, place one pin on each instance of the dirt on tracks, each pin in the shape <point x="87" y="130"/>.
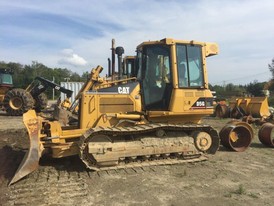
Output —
<point x="227" y="178"/>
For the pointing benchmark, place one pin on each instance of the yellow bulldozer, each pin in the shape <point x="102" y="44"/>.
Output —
<point x="151" y="118"/>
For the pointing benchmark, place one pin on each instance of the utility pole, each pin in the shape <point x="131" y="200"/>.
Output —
<point x="53" y="79"/>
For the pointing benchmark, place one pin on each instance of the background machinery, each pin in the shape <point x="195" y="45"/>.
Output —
<point x="152" y="118"/>
<point x="16" y="101"/>
<point x="6" y="83"/>
<point x="256" y="107"/>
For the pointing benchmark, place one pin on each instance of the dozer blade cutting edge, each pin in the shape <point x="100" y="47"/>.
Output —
<point x="31" y="158"/>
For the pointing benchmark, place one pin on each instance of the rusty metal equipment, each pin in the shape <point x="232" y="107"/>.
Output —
<point x="222" y="110"/>
<point x="149" y="119"/>
<point x="266" y="134"/>
<point x="257" y="107"/>
<point x="236" y="136"/>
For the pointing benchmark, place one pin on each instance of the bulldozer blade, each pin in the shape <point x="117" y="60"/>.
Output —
<point x="30" y="161"/>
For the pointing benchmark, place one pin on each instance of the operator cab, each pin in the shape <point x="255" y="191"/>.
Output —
<point x="129" y="66"/>
<point x="154" y="73"/>
<point x="165" y="65"/>
<point x="6" y="79"/>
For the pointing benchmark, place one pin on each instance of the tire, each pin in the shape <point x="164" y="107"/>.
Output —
<point x="41" y="102"/>
<point x="17" y="102"/>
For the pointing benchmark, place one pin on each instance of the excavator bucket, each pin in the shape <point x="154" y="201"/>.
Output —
<point x="31" y="158"/>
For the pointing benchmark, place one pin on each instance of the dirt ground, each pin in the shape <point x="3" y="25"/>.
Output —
<point x="226" y="178"/>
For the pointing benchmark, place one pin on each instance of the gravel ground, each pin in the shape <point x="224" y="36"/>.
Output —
<point x="227" y="178"/>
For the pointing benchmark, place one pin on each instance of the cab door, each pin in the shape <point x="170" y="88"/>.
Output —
<point x="156" y="78"/>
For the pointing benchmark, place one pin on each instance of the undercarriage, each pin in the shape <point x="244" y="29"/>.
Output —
<point x="145" y="145"/>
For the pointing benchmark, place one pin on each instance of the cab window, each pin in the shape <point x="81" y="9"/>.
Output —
<point x="5" y="79"/>
<point x="155" y="76"/>
<point x="189" y="66"/>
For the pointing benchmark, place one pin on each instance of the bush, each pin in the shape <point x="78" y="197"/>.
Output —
<point x="271" y="101"/>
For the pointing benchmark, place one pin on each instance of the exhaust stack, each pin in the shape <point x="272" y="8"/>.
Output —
<point x="119" y="51"/>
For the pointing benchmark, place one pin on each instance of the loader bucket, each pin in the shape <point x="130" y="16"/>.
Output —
<point x="255" y="106"/>
<point x="238" y="107"/>
<point x="234" y="102"/>
<point x="236" y="136"/>
<point x="244" y="103"/>
<point x="30" y="161"/>
<point x="258" y="107"/>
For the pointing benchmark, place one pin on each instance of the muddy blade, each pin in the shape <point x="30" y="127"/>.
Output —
<point x="31" y="158"/>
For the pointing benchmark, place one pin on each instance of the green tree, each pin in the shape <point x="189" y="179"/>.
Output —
<point x="255" y="88"/>
<point x="85" y="76"/>
<point x="271" y="82"/>
<point x="271" y="68"/>
<point x="228" y="91"/>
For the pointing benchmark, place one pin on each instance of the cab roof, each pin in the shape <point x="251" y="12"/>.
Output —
<point x="210" y="48"/>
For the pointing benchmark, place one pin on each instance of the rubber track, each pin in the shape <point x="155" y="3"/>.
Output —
<point x="142" y="129"/>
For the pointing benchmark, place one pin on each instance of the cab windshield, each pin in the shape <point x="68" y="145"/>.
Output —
<point x="189" y="65"/>
<point x="5" y="79"/>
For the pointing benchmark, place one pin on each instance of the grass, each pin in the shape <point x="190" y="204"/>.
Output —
<point x="241" y="191"/>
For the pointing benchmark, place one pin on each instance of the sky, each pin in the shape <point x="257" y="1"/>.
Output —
<point x="77" y="34"/>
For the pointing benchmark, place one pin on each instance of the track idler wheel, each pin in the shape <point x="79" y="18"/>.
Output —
<point x="206" y="142"/>
<point x="202" y="140"/>
<point x="236" y="136"/>
<point x="266" y="134"/>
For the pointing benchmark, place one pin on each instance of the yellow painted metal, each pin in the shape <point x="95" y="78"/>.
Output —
<point x="128" y="116"/>
<point x="233" y="136"/>
<point x="258" y="107"/>
<point x="209" y="49"/>
<point x="3" y="91"/>
<point x="106" y="109"/>
<point x="254" y="106"/>
<point x="65" y="149"/>
<point x="31" y="158"/>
